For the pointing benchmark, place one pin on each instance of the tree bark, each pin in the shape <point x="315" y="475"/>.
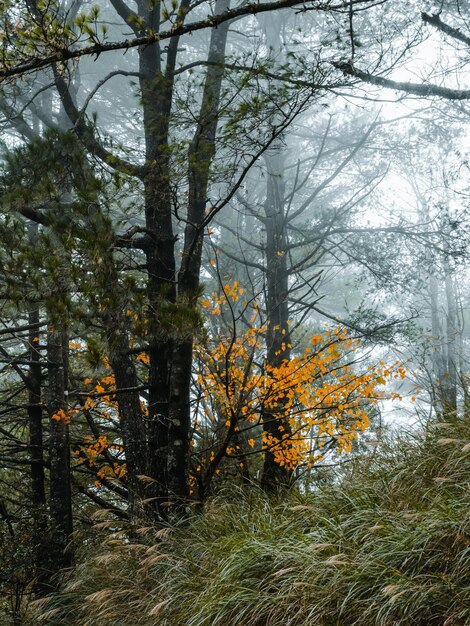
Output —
<point x="157" y="90"/>
<point x="59" y="451"/>
<point x="200" y="156"/>
<point x="278" y="342"/>
<point x="36" y="442"/>
<point x="131" y="419"/>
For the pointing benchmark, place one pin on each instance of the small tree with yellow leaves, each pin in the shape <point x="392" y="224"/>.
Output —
<point x="323" y="394"/>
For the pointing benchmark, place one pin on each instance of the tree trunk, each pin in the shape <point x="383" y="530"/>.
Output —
<point x="131" y="419"/>
<point x="36" y="443"/>
<point x="452" y="332"/>
<point x="200" y="155"/>
<point x="59" y="450"/>
<point x="438" y="357"/>
<point x="278" y="342"/>
<point x="157" y="89"/>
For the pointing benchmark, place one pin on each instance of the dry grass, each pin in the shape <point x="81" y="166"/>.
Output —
<point x="387" y="545"/>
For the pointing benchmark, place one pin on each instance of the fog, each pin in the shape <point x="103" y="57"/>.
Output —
<point x="234" y="244"/>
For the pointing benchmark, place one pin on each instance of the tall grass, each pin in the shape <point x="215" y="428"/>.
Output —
<point x="389" y="544"/>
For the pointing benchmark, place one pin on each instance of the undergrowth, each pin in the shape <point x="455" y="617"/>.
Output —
<point x="388" y="544"/>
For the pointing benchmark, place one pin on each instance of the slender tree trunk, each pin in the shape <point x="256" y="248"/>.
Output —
<point x="200" y="155"/>
<point x="438" y="357"/>
<point x="452" y="332"/>
<point x="131" y="418"/>
<point x="59" y="451"/>
<point x="278" y="342"/>
<point x="36" y="442"/>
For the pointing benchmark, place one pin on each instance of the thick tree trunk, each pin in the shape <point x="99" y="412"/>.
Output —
<point x="157" y="89"/>
<point x="179" y="425"/>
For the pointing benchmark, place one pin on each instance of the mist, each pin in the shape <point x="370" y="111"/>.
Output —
<point x="233" y="273"/>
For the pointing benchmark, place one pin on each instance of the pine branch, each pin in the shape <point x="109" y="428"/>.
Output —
<point x="67" y="53"/>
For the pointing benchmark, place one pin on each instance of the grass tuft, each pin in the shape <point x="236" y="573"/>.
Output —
<point x="388" y="544"/>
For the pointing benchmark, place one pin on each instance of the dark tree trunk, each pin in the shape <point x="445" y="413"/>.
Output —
<point x="200" y="155"/>
<point x="59" y="451"/>
<point x="36" y="443"/>
<point x="157" y="89"/>
<point x="179" y="425"/>
<point x="278" y="342"/>
<point x="114" y="299"/>
<point x="131" y="419"/>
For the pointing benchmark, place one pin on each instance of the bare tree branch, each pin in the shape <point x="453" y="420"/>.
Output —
<point x="455" y="33"/>
<point x="424" y="90"/>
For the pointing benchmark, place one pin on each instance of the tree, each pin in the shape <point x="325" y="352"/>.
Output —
<point x="173" y="209"/>
<point x="156" y="443"/>
<point x="319" y="397"/>
<point x="453" y="30"/>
